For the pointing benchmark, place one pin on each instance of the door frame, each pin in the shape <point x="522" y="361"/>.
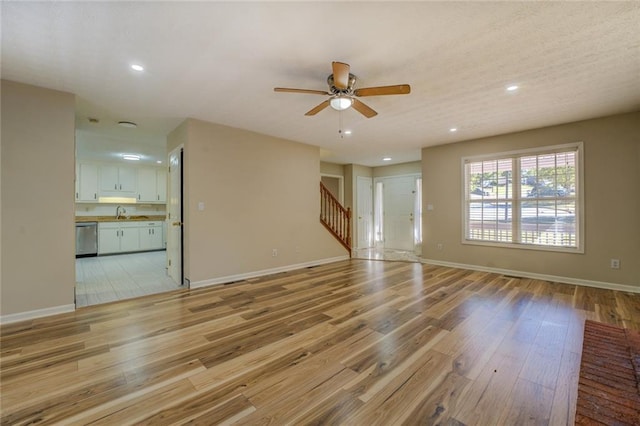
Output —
<point x="358" y="212"/>
<point x="417" y="246"/>
<point x="179" y="242"/>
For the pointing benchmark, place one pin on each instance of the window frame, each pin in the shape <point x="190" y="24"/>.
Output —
<point x="518" y="198"/>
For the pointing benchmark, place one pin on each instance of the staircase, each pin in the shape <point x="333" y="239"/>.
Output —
<point x="335" y="217"/>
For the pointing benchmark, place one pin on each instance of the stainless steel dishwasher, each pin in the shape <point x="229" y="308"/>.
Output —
<point x="86" y="239"/>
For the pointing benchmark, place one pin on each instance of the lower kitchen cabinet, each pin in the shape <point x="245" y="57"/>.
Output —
<point x="118" y="237"/>
<point x="121" y="237"/>
<point x="151" y="236"/>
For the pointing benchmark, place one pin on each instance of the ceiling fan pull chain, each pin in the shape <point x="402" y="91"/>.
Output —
<point x="340" y="125"/>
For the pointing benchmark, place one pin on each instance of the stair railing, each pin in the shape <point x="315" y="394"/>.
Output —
<point x="335" y="217"/>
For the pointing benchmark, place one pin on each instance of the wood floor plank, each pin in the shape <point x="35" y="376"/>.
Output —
<point x="400" y="396"/>
<point x="351" y="342"/>
<point x="530" y="404"/>
<point x="437" y="407"/>
<point x="563" y="409"/>
<point x="484" y="399"/>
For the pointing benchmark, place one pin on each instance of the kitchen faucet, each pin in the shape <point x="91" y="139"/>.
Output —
<point x="120" y="213"/>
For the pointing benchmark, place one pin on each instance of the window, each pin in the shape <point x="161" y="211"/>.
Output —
<point x="525" y="199"/>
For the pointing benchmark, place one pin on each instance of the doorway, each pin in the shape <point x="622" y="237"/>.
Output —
<point x="398" y="213"/>
<point x="146" y="268"/>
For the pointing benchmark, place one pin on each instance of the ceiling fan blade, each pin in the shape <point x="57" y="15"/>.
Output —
<point x="363" y="109"/>
<point x="313" y="92"/>
<point x="319" y="108"/>
<point x="399" y="89"/>
<point x="340" y="75"/>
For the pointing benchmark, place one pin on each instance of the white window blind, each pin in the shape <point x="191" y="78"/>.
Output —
<point x="526" y="199"/>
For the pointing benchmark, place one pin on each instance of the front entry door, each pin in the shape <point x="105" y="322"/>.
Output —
<point x="398" y="204"/>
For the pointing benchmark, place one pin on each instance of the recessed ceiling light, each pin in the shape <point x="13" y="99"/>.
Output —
<point x="137" y="67"/>
<point x="127" y="124"/>
<point x="453" y="129"/>
<point x="347" y="132"/>
<point x="131" y="157"/>
<point x="159" y="162"/>
<point x="386" y="159"/>
<point x="512" y="88"/>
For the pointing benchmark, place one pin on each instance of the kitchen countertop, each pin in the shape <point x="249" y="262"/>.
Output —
<point x="159" y="218"/>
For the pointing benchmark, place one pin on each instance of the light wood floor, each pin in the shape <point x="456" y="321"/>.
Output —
<point x="357" y="342"/>
<point x="105" y="279"/>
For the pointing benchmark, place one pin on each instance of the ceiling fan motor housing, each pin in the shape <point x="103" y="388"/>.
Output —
<point x="348" y="91"/>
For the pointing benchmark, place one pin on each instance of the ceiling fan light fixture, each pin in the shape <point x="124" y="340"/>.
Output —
<point x="340" y="103"/>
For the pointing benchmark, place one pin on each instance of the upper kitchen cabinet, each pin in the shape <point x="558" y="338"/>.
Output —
<point x="87" y="182"/>
<point x="118" y="181"/>
<point x="162" y="185"/>
<point x="152" y="185"/>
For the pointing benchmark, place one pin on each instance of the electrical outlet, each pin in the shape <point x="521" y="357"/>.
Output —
<point x="615" y="263"/>
<point x="274" y="252"/>
<point x="439" y="246"/>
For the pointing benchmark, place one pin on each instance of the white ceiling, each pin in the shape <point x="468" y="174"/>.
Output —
<point x="220" y="61"/>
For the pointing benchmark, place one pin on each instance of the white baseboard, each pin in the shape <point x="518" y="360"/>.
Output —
<point x="38" y="313"/>
<point x="254" y="274"/>
<point x="544" y="277"/>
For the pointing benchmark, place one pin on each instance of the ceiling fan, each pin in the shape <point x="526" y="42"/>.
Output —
<point x="343" y="95"/>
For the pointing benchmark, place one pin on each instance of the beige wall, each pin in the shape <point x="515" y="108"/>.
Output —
<point x="331" y="169"/>
<point x="412" y="168"/>
<point x="38" y="171"/>
<point x="260" y="193"/>
<point x="612" y="202"/>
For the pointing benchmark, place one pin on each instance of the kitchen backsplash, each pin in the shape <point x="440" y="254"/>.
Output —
<point x="89" y="209"/>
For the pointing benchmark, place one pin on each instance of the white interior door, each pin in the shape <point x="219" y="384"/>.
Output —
<point x="174" y="218"/>
<point x="398" y="196"/>
<point x="364" y="214"/>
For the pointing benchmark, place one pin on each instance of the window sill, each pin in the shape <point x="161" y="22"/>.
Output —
<point x="558" y="249"/>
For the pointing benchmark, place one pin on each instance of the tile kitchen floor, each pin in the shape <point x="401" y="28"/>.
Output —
<point x="109" y="278"/>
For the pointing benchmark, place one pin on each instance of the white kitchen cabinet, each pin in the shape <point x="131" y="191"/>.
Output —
<point x="161" y="180"/>
<point x="152" y="185"/>
<point x="118" y="237"/>
<point x="108" y="239"/>
<point x="150" y="235"/>
<point x="87" y="182"/>
<point x="118" y="180"/>
<point x="129" y="238"/>
<point x="147" y="186"/>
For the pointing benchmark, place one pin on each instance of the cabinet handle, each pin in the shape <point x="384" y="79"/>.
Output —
<point x="115" y="186"/>
<point x="120" y="186"/>
<point x="158" y="197"/>
<point x="76" y="195"/>
<point x="95" y="195"/>
<point x="138" y="196"/>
